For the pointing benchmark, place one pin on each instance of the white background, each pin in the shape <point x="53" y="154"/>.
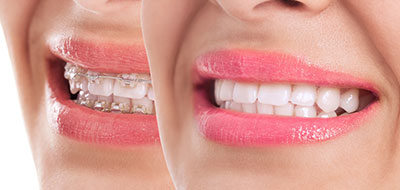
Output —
<point x="17" y="170"/>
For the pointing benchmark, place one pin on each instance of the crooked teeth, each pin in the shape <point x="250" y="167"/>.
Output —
<point x="286" y="99"/>
<point x="121" y="93"/>
<point x="349" y="100"/>
<point x="328" y="99"/>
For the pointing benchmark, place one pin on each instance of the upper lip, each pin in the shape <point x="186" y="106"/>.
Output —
<point x="234" y="128"/>
<point x="100" y="57"/>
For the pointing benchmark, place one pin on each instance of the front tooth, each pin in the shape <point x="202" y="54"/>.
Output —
<point x="265" y="108"/>
<point x="245" y="93"/>
<point x="143" y="105"/>
<point x="233" y="106"/>
<point x="217" y="91"/>
<point x="274" y="94"/>
<point x="138" y="91"/>
<point x="305" y="111"/>
<point x="102" y="87"/>
<point x="327" y="115"/>
<point x="304" y="95"/>
<point x="150" y="93"/>
<point x="285" y="110"/>
<point x="226" y="90"/>
<point x="328" y="99"/>
<point x="349" y="100"/>
<point x="249" y="108"/>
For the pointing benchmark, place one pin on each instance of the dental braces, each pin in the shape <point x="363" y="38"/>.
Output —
<point x="73" y="73"/>
<point x="113" y="107"/>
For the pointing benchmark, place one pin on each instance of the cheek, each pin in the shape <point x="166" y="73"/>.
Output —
<point x="379" y="21"/>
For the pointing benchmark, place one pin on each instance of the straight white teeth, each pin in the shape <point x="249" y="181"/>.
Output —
<point x="289" y="100"/>
<point x="118" y="93"/>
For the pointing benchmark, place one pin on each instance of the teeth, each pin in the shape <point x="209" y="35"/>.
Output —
<point x="121" y="104"/>
<point x="328" y="99"/>
<point x="123" y="93"/>
<point x="285" y="110"/>
<point x="245" y="93"/>
<point x="304" y="95"/>
<point x="249" y="108"/>
<point x="289" y="100"/>
<point x="305" y="111"/>
<point x="143" y="105"/>
<point x="74" y="86"/>
<point x="265" y="108"/>
<point x="102" y="87"/>
<point x="327" y="115"/>
<point x="150" y="93"/>
<point x="137" y="91"/>
<point x="274" y="94"/>
<point x="226" y="90"/>
<point x="349" y="100"/>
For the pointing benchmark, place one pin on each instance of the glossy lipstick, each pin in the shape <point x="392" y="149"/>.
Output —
<point x="87" y="125"/>
<point x="244" y="129"/>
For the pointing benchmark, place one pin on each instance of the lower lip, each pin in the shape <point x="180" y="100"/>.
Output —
<point x="244" y="129"/>
<point x="87" y="125"/>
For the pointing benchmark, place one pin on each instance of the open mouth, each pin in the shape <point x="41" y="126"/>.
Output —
<point x="254" y="98"/>
<point x="101" y="93"/>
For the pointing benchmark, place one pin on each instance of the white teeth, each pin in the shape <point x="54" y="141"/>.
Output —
<point x="327" y="115"/>
<point x="289" y="100"/>
<point x="150" y="93"/>
<point x="245" y="93"/>
<point x="285" y="110"/>
<point x="304" y="95"/>
<point x="249" y="108"/>
<point x="121" y="104"/>
<point x="305" y="111"/>
<point x="226" y="90"/>
<point x="328" y="99"/>
<point x="265" y="108"/>
<point x="74" y="86"/>
<point x="234" y="106"/>
<point x="138" y="91"/>
<point x="120" y="93"/>
<point x="217" y="87"/>
<point x="102" y="87"/>
<point x="143" y="105"/>
<point x="349" y="100"/>
<point x="274" y="94"/>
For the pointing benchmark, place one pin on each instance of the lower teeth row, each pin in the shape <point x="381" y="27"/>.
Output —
<point x="115" y="104"/>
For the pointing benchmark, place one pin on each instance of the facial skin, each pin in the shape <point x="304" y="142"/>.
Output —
<point x="360" y="39"/>
<point x="63" y="163"/>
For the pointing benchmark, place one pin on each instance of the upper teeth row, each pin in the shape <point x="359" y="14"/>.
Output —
<point x="135" y="86"/>
<point x="285" y="99"/>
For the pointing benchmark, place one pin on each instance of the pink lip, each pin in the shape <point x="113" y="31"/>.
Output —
<point x="87" y="125"/>
<point x="109" y="58"/>
<point x="242" y="129"/>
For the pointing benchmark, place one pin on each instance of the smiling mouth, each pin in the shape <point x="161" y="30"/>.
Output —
<point x="100" y="93"/>
<point x="249" y="98"/>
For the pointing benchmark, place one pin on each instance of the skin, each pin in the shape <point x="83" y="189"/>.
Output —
<point x="63" y="163"/>
<point x="346" y="36"/>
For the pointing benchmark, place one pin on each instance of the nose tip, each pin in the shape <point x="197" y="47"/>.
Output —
<point x="102" y="6"/>
<point x="253" y="10"/>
